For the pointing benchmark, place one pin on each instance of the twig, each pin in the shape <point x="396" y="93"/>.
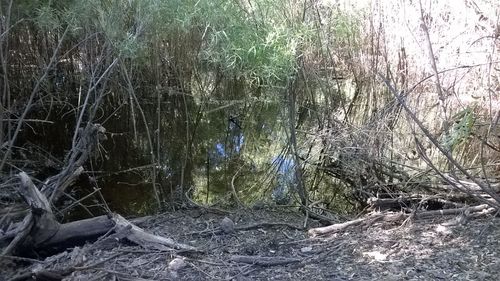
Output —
<point x="28" y="120"/>
<point x="148" y="134"/>
<point x="21" y="259"/>
<point x="264" y="261"/>
<point x="233" y="189"/>
<point x="30" y="100"/>
<point x="433" y="140"/>
<point x="268" y="224"/>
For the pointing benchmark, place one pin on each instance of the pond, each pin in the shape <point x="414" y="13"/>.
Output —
<point x="181" y="143"/>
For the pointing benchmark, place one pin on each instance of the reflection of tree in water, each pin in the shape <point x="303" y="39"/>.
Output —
<point x="224" y="153"/>
<point x="285" y="179"/>
<point x="230" y="147"/>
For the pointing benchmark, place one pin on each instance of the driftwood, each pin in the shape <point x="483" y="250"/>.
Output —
<point x="389" y="217"/>
<point x="220" y="230"/>
<point x="87" y="140"/>
<point x="467" y="212"/>
<point x="264" y="261"/>
<point x="40" y="232"/>
<point x="477" y="210"/>
<point x="148" y="240"/>
<point x="402" y="201"/>
<point x="52" y="188"/>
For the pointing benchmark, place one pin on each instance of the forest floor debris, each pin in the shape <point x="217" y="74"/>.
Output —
<point x="273" y="249"/>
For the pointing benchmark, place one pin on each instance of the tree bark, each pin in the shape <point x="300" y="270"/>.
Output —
<point x="40" y="232"/>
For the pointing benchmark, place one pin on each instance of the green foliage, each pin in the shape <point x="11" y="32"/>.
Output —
<point x="462" y="129"/>
<point x="47" y="18"/>
<point x="259" y="45"/>
<point x="347" y="30"/>
<point x="256" y="40"/>
<point x="121" y="22"/>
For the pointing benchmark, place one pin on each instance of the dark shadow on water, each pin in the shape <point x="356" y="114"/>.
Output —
<point x="122" y="168"/>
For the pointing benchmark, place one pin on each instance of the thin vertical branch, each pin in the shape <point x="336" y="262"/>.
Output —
<point x="4" y="50"/>
<point x="436" y="144"/>
<point x="432" y="59"/>
<point x="292" y="96"/>
<point x="148" y="134"/>
<point x="30" y="100"/>
<point x="89" y="91"/>
<point x="291" y="93"/>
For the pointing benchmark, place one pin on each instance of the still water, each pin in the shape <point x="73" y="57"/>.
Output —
<point x="179" y="143"/>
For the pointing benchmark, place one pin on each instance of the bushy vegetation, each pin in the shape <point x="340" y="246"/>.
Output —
<point x="327" y="65"/>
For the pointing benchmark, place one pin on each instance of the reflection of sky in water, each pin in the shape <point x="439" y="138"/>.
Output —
<point x="285" y="179"/>
<point x="220" y="149"/>
<point x="284" y="163"/>
<point x="238" y="142"/>
<point x="223" y="150"/>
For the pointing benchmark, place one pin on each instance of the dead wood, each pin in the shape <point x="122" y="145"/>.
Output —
<point x="41" y="232"/>
<point x="74" y="233"/>
<point x="41" y="220"/>
<point x="473" y="211"/>
<point x="264" y="261"/>
<point x="39" y="201"/>
<point x="402" y="201"/>
<point x="325" y="220"/>
<point x="451" y="179"/>
<point x="334" y="227"/>
<point x="148" y="240"/>
<point x="13" y="212"/>
<point x="268" y="224"/>
<point x="20" y="235"/>
<point x="479" y="209"/>
<point x="60" y="274"/>
<point x="365" y="220"/>
<point x="88" y="139"/>
<point x="474" y="186"/>
<point x="219" y="230"/>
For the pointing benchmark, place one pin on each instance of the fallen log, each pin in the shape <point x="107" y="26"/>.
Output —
<point x="76" y="233"/>
<point x="40" y="221"/>
<point x="41" y="233"/>
<point x="264" y="261"/>
<point x="388" y="217"/>
<point x="483" y="208"/>
<point x="467" y="212"/>
<point x="88" y="138"/>
<point x="432" y="202"/>
<point x="147" y="240"/>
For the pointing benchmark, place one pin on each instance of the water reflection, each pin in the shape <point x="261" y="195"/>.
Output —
<point x="202" y="155"/>
<point x="232" y="146"/>
<point x="285" y="180"/>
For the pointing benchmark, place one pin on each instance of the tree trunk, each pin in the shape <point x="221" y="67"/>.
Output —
<point x="41" y="233"/>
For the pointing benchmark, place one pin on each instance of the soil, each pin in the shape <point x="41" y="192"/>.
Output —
<point x="439" y="249"/>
